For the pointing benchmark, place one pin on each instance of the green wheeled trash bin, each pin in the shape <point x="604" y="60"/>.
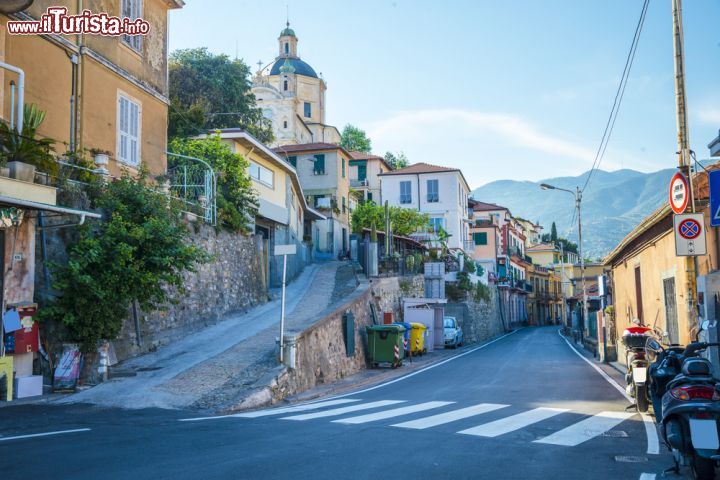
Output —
<point x="385" y="344"/>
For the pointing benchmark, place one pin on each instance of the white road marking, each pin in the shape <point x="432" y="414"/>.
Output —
<point x="650" y="430"/>
<point x="434" y="365"/>
<point x="448" y="417"/>
<point x="514" y="422"/>
<point x="46" y="434"/>
<point x="647" y="476"/>
<point x="586" y="429"/>
<point x="343" y="410"/>
<point x="275" y="411"/>
<point x="395" y="412"/>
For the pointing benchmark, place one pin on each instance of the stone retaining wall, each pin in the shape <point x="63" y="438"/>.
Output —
<point x="321" y="354"/>
<point x="480" y="321"/>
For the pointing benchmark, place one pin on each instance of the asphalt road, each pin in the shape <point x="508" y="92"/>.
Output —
<point x="523" y="407"/>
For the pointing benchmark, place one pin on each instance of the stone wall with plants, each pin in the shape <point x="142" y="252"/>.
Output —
<point x="479" y="316"/>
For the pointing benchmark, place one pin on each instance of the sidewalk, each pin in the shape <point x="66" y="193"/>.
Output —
<point x="209" y="368"/>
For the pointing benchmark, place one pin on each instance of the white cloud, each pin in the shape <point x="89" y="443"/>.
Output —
<point x="710" y="115"/>
<point x="486" y="146"/>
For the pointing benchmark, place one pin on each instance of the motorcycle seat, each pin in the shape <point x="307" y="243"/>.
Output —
<point x="692" y="367"/>
<point x="691" y="379"/>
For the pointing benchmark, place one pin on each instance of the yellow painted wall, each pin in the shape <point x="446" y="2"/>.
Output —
<point x="275" y="195"/>
<point x="48" y="67"/>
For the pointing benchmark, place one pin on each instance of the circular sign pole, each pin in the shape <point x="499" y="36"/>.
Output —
<point x="679" y="193"/>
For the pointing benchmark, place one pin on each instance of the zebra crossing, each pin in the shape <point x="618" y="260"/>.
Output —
<point x="349" y="411"/>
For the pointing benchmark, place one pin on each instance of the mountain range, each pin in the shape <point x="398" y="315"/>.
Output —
<point x="612" y="204"/>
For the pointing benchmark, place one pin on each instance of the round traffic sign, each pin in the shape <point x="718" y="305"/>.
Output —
<point x="679" y="193"/>
<point x="689" y="229"/>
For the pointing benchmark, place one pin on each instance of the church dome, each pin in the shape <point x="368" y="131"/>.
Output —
<point x="287" y="32"/>
<point x="301" y="68"/>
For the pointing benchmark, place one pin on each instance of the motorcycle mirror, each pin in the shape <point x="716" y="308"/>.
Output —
<point x="636" y="321"/>
<point x="704" y="325"/>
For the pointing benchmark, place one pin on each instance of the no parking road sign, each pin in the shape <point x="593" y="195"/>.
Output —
<point x="689" y="234"/>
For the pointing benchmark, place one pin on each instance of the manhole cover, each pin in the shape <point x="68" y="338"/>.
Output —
<point x="615" y="434"/>
<point x="148" y="369"/>
<point x="630" y="459"/>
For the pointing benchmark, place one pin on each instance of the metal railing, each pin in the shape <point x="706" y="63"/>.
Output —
<point x="192" y="181"/>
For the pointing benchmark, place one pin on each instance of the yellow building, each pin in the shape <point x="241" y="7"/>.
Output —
<point x="284" y="217"/>
<point x="544" y="302"/>
<point x="292" y="96"/>
<point x="649" y="281"/>
<point x="99" y="92"/>
<point x="323" y="169"/>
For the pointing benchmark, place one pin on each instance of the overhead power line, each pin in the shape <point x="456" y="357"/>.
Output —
<point x="610" y="124"/>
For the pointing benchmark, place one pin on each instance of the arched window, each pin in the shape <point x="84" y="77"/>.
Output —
<point x="285" y="85"/>
<point x="287" y="48"/>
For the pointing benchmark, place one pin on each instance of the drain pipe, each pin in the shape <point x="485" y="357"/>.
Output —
<point x="20" y="92"/>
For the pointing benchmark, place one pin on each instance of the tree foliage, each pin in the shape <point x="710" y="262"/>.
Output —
<point x="140" y="247"/>
<point x="212" y="91"/>
<point x="396" y="160"/>
<point x="237" y="200"/>
<point x="355" y="140"/>
<point x="553" y="233"/>
<point x="404" y="221"/>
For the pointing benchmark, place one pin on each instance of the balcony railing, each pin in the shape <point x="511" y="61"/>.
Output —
<point x="359" y="183"/>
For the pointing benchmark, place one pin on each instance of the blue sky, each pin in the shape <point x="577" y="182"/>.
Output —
<point x="516" y="89"/>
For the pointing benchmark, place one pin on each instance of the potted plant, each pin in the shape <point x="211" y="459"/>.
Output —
<point x="23" y="152"/>
<point x="100" y="157"/>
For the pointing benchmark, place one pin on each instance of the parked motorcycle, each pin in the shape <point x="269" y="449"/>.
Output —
<point x="634" y="340"/>
<point x="686" y="400"/>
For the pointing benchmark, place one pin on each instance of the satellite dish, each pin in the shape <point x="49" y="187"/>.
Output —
<point x="14" y="6"/>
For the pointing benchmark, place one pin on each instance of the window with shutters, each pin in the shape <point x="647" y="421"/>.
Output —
<point x="319" y="168"/>
<point x="433" y="194"/>
<point x="128" y="131"/>
<point x="132" y="9"/>
<point x="480" y="238"/>
<point x="343" y="168"/>
<point x="405" y="193"/>
<point x="307" y="110"/>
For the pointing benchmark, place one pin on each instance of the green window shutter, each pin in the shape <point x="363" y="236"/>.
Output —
<point x="319" y="164"/>
<point x="343" y="204"/>
<point x="343" y="168"/>
<point x="480" y="238"/>
<point x="293" y="161"/>
<point x="362" y="172"/>
<point x="369" y="196"/>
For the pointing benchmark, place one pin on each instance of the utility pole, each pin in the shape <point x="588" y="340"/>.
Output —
<point x="578" y="201"/>
<point x="562" y="286"/>
<point x="683" y="143"/>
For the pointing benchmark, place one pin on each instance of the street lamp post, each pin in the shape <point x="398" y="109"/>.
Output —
<point x="578" y="201"/>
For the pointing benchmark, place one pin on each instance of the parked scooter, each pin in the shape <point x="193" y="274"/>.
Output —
<point x="634" y="340"/>
<point x="686" y="400"/>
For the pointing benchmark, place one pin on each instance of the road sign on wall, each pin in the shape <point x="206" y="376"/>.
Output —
<point x="689" y="234"/>
<point x="679" y="193"/>
<point x="714" y="181"/>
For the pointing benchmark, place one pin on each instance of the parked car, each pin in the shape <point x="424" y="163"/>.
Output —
<point x="453" y="332"/>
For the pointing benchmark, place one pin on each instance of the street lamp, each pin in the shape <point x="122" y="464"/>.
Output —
<point x="578" y="199"/>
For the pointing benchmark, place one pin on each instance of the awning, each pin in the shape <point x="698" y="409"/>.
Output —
<point x="313" y="214"/>
<point x="30" y="205"/>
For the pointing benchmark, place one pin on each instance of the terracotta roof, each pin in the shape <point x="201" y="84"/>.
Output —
<point x="486" y="207"/>
<point x="364" y="156"/>
<point x="369" y="156"/>
<point x="421" y="168"/>
<point x="308" y="147"/>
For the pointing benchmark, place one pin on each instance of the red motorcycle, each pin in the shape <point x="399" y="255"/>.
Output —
<point x="634" y="339"/>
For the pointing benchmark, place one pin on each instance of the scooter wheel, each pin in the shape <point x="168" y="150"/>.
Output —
<point x="703" y="468"/>
<point x="641" y="398"/>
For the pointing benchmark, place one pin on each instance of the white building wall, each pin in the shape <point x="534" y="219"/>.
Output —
<point x="452" y="204"/>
